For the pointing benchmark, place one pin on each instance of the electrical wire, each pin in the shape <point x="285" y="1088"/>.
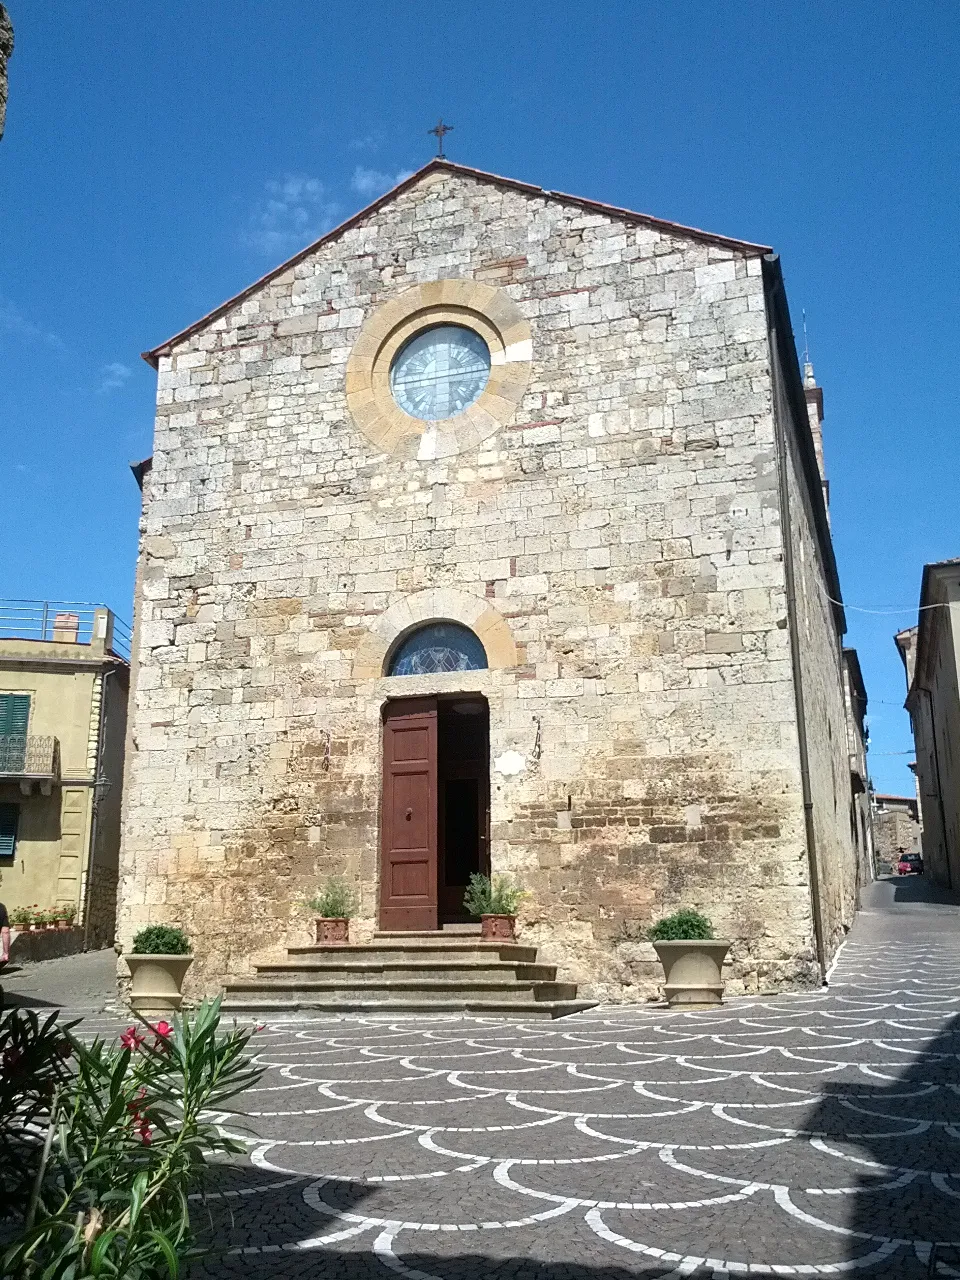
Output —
<point x="858" y="608"/>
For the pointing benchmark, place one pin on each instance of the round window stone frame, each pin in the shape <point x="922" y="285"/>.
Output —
<point x="489" y="312"/>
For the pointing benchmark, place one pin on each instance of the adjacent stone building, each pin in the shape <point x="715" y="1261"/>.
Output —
<point x="931" y="659"/>
<point x="861" y="824"/>
<point x="489" y="532"/>
<point x="64" y="681"/>
<point x="896" y="830"/>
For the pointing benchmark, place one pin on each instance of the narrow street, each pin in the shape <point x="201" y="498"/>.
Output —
<point x="805" y="1134"/>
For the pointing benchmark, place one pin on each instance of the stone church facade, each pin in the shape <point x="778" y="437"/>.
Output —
<point x="620" y="501"/>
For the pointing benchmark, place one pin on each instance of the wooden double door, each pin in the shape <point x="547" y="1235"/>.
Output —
<point x="435" y="808"/>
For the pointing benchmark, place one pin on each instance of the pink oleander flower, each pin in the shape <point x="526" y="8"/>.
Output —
<point x="163" y="1032"/>
<point x="131" y="1039"/>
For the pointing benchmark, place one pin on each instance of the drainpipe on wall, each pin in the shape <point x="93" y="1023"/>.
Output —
<point x="794" y="631"/>
<point x="94" y="823"/>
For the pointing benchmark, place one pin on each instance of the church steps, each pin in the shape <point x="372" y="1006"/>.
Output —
<point x="409" y="1008"/>
<point x="380" y="951"/>
<point x="450" y="971"/>
<point x="408" y="974"/>
<point x="301" y="988"/>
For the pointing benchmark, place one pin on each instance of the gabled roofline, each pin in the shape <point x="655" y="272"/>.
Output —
<point x="438" y="164"/>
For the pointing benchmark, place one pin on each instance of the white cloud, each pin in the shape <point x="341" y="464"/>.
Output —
<point x="295" y="210"/>
<point x="112" y="376"/>
<point x="373" y="182"/>
<point x="366" y="142"/>
<point x="16" y="324"/>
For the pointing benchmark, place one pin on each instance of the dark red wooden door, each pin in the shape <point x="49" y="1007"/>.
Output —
<point x="408" y="860"/>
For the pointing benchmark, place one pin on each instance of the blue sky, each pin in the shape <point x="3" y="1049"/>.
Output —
<point x="159" y="159"/>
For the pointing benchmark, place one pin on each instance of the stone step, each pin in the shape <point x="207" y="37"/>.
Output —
<point x="396" y="1008"/>
<point x="449" y="932"/>
<point x="426" y="990"/>
<point x="405" y="974"/>
<point x="428" y="945"/>
<point x="353" y="971"/>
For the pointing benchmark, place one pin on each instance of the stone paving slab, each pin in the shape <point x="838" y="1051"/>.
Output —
<point x="801" y="1135"/>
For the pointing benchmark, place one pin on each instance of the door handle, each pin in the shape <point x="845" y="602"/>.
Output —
<point x="409" y="814"/>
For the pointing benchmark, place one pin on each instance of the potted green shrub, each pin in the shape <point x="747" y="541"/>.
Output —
<point x="692" y="959"/>
<point x="333" y="908"/>
<point x="495" y="902"/>
<point x="158" y="963"/>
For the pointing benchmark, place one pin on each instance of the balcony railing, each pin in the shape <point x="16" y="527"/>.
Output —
<point x="29" y="757"/>
<point x="65" y="622"/>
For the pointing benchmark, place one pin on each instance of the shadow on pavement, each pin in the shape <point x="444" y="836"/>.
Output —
<point x="922" y="889"/>
<point x="887" y="892"/>
<point x="24" y="1000"/>
<point x="897" y="1158"/>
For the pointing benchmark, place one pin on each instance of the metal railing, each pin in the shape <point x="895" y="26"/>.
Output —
<point x="29" y="757"/>
<point x="66" y="621"/>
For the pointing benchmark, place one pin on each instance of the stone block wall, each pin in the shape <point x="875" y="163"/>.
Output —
<point x="895" y="827"/>
<point x="624" y="528"/>
<point x="28" y="946"/>
<point x="821" y="685"/>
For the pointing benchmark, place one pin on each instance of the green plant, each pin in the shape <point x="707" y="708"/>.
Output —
<point x="685" y="925"/>
<point x="335" y="901"/>
<point x="161" y="940"/>
<point x="68" y="913"/>
<point x="496" y="897"/>
<point x="21" y="916"/>
<point x="119" y="1145"/>
<point x="33" y="1065"/>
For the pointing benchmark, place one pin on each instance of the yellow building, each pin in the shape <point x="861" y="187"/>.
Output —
<point x="64" y="681"/>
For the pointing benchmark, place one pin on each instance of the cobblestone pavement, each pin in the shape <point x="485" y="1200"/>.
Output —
<point x="811" y="1134"/>
<point x="807" y="1134"/>
<point x="84" y="984"/>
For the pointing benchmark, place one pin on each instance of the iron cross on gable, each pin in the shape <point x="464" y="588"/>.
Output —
<point x="439" y="133"/>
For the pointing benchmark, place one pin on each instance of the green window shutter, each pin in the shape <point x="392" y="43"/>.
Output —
<point x="9" y="815"/>
<point x="14" y="714"/>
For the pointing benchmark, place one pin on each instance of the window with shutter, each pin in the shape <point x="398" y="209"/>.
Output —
<point x="14" y="715"/>
<point x="9" y="818"/>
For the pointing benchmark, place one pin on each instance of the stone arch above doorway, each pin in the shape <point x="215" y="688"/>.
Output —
<point x="442" y="604"/>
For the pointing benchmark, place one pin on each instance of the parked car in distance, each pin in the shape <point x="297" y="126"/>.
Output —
<point x="910" y="864"/>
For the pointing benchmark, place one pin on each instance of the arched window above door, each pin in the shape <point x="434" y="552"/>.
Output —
<point x="437" y="647"/>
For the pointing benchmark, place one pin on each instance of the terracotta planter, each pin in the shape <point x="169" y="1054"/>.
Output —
<point x="498" y="928"/>
<point x="692" y="969"/>
<point x="332" y="931"/>
<point x="156" y="983"/>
